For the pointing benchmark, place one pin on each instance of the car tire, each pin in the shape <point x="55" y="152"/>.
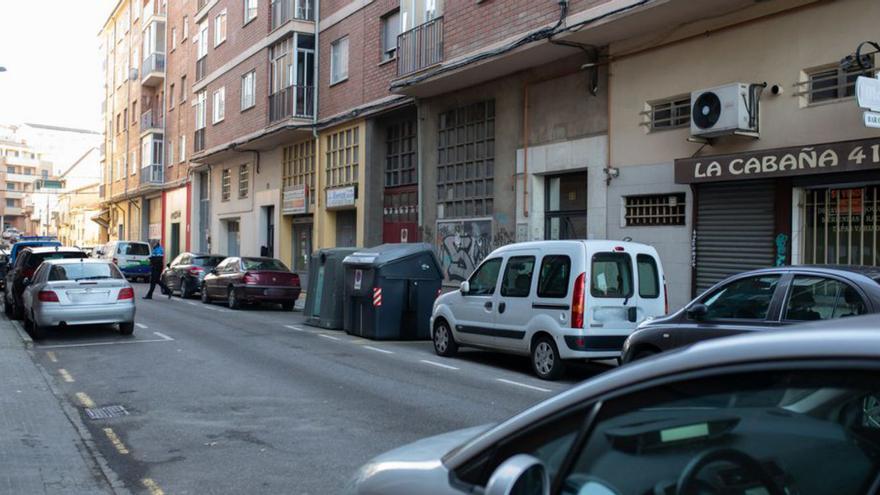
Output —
<point x="36" y="332"/>
<point x="444" y="342"/>
<point x="232" y="300"/>
<point x="287" y="305"/>
<point x="545" y="359"/>
<point x="185" y="290"/>
<point x="126" y="328"/>
<point x="17" y="313"/>
<point x="206" y="299"/>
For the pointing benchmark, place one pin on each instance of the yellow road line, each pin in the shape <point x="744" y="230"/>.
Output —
<point x="114" y="439"/>
<point x="65" y="375"/>
<point x="85" y="400"/>
<point x="152" y="486"/>
<point x="52" y="357"/>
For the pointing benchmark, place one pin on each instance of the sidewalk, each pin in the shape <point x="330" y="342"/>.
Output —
<point x="41" y="452"/>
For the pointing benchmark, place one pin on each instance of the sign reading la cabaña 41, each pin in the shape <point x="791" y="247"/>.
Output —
<point x="847" y="156"/>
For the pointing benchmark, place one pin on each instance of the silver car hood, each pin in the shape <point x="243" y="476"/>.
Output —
<point x="412" y="468"/>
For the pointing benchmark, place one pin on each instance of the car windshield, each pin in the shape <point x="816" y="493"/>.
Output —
<point x="83" y="271"/>
<point x="263" y="264"/>
<point x="207" y="261"/>
<point x="135" y="249"/>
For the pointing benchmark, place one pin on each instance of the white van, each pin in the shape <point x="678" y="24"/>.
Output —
<point x="554" y="301"/>
<point x="132" y="258"/>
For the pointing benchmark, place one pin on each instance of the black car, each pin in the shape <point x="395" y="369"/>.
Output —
<point x="186" y="272"/>
<point x="26" y="263"/>
<point x="761" y="300"/>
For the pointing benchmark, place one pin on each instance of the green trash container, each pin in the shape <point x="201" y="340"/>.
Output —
<point x="323" y="307"/>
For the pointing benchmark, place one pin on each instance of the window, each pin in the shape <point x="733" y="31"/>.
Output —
<point x="134" y="118"/>
<point x="173" y="38"/>
<point x="248" y="90"/>
<point x="182" y="88"/>
<point x="10" y="186"/>
<point x="10" y="169"/>
<point x="185" y="27"/>
<point x="483" y="281"/>
<point x="840" y="226"/>
<point x="654" y="210"/>
<point x="171" y="97"/>
<point x="744" y="299"/>
<point x="220" y="28"/>
<point x="225" y="185"/>
<point x="611" y="275"/>
<point x="171" y="153"/>
<point x="339" y="60"/>
<point x="250" y="10"/>
<point x="202" y="45"/>
<point x="219" y="107"/>
<point x="343" y="151"/>
<point x="244" y="181"/>
<point x="554" y="276"/>
<point x="10" y="203"/>
<point x="390" y="31"/>
<point x="124" y="118"/>
<point x="400" y="154"/>
<point x="833" y="82"/>
<point x="649" y="277"/>
<point x="298" y="162"/>
<point x="819" y="298"/>
<point x="182" y="148"/>
<point x="201" y="103"/>
<point x="466" y="161"/>
<point x="671" y="113"/>
<point x="517" y="280"/>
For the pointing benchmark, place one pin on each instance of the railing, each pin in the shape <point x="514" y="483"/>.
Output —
<point x="199" y="140"/>
<point x="201" y="68"/>
<point x="292" y="101"/>
<point x="154" y="63"/>
<point x="153" y="174"/>
<point x="285" y="10"/>
<point x="420" y="47"/>
<point x="151" y="120"/>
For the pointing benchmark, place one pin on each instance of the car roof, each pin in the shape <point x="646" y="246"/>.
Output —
<point x="70" y="261"/>
<point x="55" y="249"/>
<point x="854" y="340"/>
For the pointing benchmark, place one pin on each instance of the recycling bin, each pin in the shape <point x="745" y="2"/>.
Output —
<point x="323" y="307"/>
<point x="390" y="291"/>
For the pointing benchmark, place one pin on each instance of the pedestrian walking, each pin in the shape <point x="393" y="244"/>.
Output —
<point x="157" y="264"/>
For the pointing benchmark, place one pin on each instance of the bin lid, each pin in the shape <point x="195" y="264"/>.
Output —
<point x="383" y="254"/>
<point x="332" y="253"/>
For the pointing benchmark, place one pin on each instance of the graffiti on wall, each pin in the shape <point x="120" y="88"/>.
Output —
<point x="463" y="244"/>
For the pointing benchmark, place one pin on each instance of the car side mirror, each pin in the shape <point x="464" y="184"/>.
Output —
<point x="697" y="312"/>
<point x="521" y="473"/>
<point x="465" y="287"/>
<point x="213" y="271"/>
<point x="25" y="282"/>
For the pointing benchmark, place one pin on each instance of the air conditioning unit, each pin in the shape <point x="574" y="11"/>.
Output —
<point x="725" y="110"/>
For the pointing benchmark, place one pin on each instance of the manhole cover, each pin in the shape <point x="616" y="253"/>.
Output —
<point x="106" y="412"/>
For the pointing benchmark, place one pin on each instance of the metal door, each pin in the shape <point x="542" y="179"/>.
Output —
<point x="346" y="228"/>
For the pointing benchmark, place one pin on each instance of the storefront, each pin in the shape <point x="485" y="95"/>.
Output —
<point x="297" y="216"/>
<point x="813" y="204"/>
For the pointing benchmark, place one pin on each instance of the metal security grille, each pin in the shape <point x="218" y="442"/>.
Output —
<point x="299" y="166"/>
<point x="841" y="226"/>
<point x="655" y="209"/>
<point x="668" y="114"/>
<point x="106" y="412"/>
<point x="833" y="82"/>
<point x="400" y="154"/>
<point x="466" y="161"/>
<point x="342" y="157"/>
<point x="225" y="185"/>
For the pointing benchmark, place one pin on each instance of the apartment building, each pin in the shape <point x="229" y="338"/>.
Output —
<point x="20" y="167"/>
<point x="78" y="201"/>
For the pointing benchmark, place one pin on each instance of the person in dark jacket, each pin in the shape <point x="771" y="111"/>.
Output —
<point x="157" y="263"/>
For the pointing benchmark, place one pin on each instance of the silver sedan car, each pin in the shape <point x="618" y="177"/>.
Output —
<point x="66" y="292"/>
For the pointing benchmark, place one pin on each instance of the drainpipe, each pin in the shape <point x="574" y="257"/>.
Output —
<point x="316" y="69"/>
<point x="525" y="175"/>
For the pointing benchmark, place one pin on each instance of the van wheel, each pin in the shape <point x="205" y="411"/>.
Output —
<point x="545" y="359"/>
<point x="444" y="343"/>
<point x="126" y="328"/>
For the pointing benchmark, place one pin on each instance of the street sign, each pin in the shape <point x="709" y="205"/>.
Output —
<point x="872" y="119"/>
<point x="868" y="93"/>
<point x="50" y="184"/>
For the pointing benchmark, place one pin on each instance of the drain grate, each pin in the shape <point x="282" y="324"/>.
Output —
<point x="106" y="412"/>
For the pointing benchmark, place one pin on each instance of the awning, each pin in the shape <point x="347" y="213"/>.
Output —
<point x="103" y="218"/>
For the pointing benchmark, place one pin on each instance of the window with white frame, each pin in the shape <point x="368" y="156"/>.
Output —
<point x="668" y="113"/>
<point x="390" y="31"/>
<point x="202" y="45"/>
<point x="225" y="185"/>
<point x="173" y="38"/>
<point x="653" y="210"/>
<point x="248" y="90"/>
<point x="185" y="27"/>
<point x="133" y="163"/>
<point x="339" y="60"/>
<point x="250" y="10"/>
<point x="182" y="147"/>
<point x="220" y="28"/>
<point x="200" y="104"/>
<point x="833" y="82"/>
<point x="219" y="104"/>
<point x="170" y="153"/>
<point x="244" y="181"/>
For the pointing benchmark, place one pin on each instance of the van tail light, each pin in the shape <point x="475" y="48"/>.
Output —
<point x="665" y="299"/>
<point x="47" y="296"/>
<point x="577" y="301"/>
<point x="249" y="278"/>
<point x="125" y="293"/>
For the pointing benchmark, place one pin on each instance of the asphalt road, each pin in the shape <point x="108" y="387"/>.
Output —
<point x="253" y="401"/>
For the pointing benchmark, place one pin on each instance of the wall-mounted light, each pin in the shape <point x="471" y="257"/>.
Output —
<point x="611" y="173"/>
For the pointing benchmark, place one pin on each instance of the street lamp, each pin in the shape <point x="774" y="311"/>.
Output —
<point x="860" y="59"/>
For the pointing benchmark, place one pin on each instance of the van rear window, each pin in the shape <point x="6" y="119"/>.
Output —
<point x="649" y="278"/>
<point x="135" y="249"/>
<point x="611" y="275"/>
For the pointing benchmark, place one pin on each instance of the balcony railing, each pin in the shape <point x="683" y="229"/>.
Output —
<point x="153" y="174"/>
<point x="285" y="10"/>
<point x="199" y="140"/>
<point x="420" y="47"/>
<point x="153" y="65"/>
<point x="201" y="68"/>
<point x="292" y="101"/>
<point x="151" y="120"/>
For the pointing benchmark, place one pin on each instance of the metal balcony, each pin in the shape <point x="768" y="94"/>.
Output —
<point x="153" y="174"/>
<point x="285" y="10"/>
<point x="153" y="70"/>
<point x="152" y="122"/>
<point x="292" y="101"/>
<point x="199" y="140"/>
<point x="420" y="47"/>
<point x="201" y="68"/>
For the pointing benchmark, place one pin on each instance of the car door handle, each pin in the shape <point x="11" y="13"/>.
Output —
<point x="501" y="307"/>
<point x="488" y="305"/>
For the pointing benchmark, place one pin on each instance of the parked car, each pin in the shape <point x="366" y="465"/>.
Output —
<point x="746" y="414"/>
<point x="251" y="280"/>
<point x="31" y="241"/>
<point x="554" y="301"/>
<point x="132" y="258"/>
<point x="83" y="291"/>
<point x="761" y="300"/>
<point x="4" y="267"/>
<point x="187" y="271"/>
<point x="26" y="264"/>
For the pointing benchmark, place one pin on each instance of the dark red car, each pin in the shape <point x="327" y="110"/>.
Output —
<point x="251" y="280"/>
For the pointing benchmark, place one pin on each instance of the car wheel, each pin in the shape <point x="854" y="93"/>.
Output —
<point x="126" y="328"/>
<point x="545" y="359"/>
<point x="36" y="332"/>
<point x="287" y="305"/>
<point x="444" y="343"/>
<point x="231" y="299"/>
<point x="185" y="290"/>
<point x="204" y="292"/>
<point x="17" y="313"/>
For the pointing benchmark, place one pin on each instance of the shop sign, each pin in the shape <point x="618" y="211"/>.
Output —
<point x="294" y="201"/>
<point x="872" y="119"/>
<point x="341" y="197"/>
<point x="175" y="215"/>
<point x="847" y="156"/>
<point x="868" y="93"/>
<point x="155" y="231"/>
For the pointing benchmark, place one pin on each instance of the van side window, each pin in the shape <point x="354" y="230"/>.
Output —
<point x="553" y="280"/>
<point x="517" y="281"/>
<point x="649" y="278"/>
<point x="611" y="275"/>
<point x="482" y="282"/>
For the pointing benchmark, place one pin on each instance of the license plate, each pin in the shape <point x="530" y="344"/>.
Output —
<point x="88" y="297"/>
<point x="274" y="292"/>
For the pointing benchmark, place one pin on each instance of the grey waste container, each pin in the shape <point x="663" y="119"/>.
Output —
<point x="390" y="291"/>
<point x="323" y="306"/>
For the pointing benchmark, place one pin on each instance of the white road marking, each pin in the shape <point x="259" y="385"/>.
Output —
<point x="293" y="327"/>
<point x="91" y="344"/>
<point x="328" y="336"/>
<point x="523" y="385"/>
<point x="162" y="335"/>
<point x="141" y="325"/>
<point x="383" y="351"/>
<point x="191" y="303"/>
<point x="439" y="365"/>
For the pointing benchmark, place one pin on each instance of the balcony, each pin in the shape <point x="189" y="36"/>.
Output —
<point x="199" y="140"/>
<point x="11" y="210"/>
<point x="286" y="10"/>
<point x="15" y="194"/>
<point x="201" y="68"/>
<point x="153" y="70"/>
<point x="292" y="101"/>
<point x="152" y="175"/>
<point x="420" y="47"/>
<point x="152" y="122"/>
<point x="154" y="9"/>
